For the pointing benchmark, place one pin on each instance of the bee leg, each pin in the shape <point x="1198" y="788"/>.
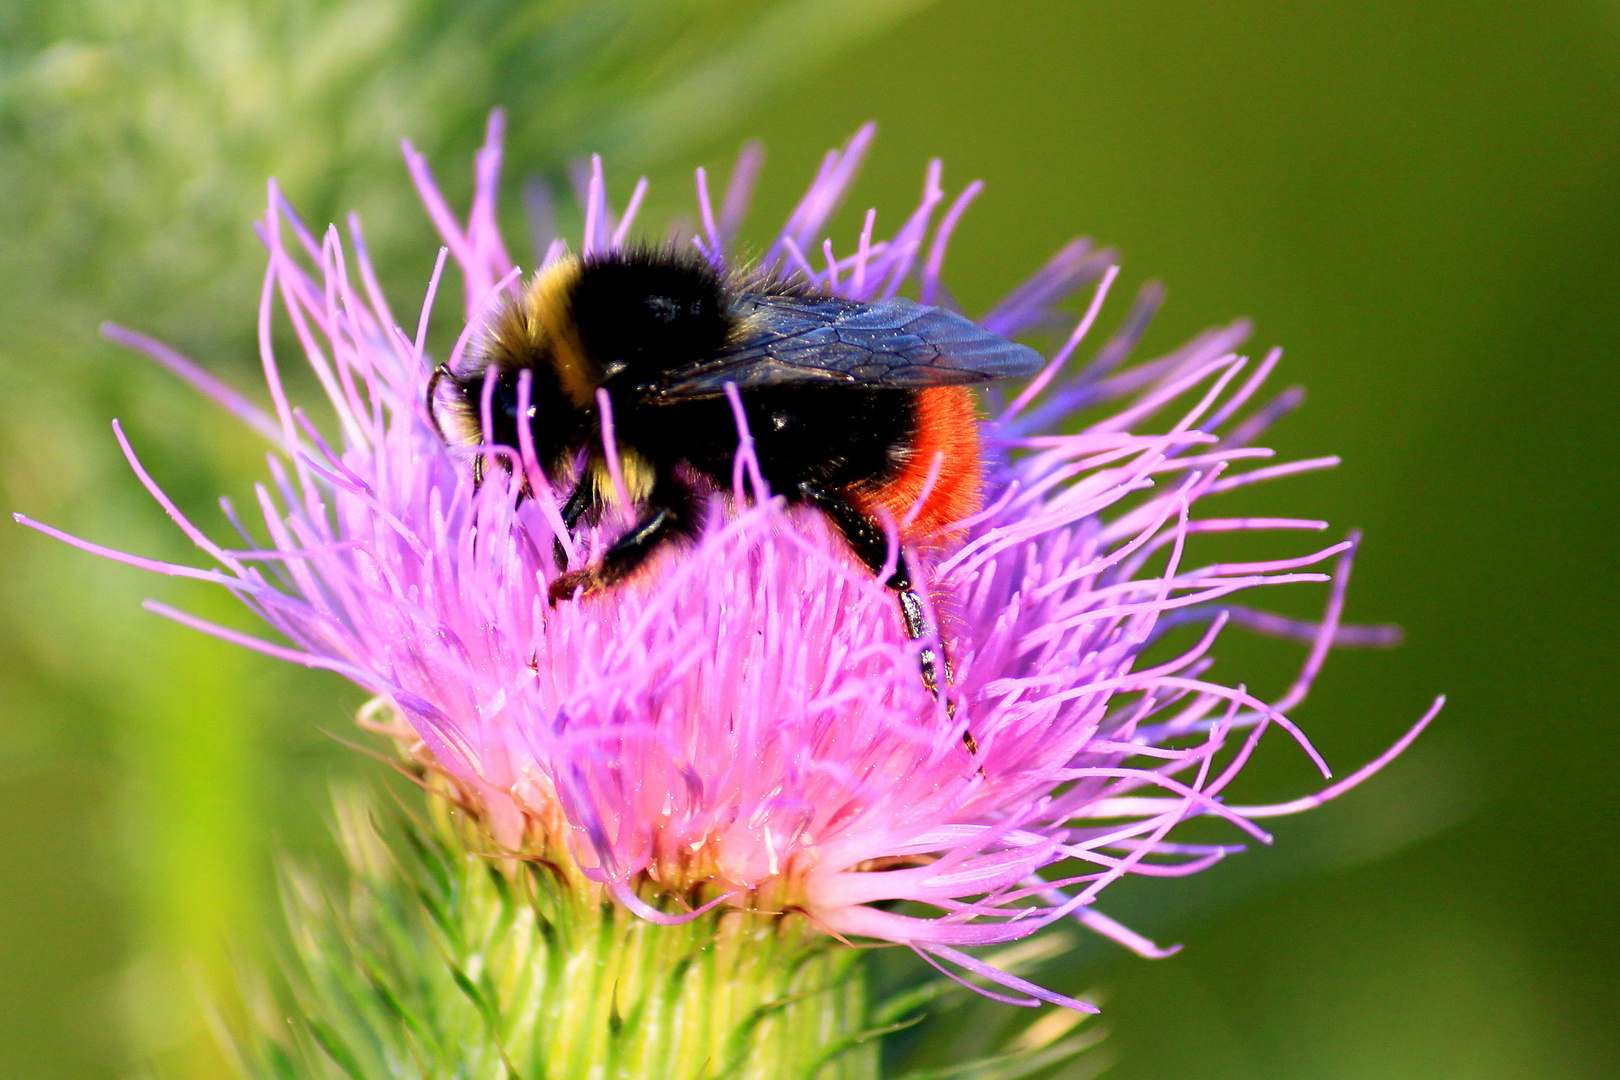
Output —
<point x="871" y="544"/>
<point x="670" y="513"/>
<point x="936" y="664"/>
<point x="581" y="502"/>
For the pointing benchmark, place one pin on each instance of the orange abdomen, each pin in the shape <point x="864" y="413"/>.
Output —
<point x="947" y="431"/>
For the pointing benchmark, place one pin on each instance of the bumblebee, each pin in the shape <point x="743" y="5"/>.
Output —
<point x="857" y="409"/>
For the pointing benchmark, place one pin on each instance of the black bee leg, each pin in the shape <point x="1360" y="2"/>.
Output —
<point x="871" y="545"/>
<point x="581" y="501"/>
<point x="933" y="664"/>
<point x="670" y="512"/>
<point x="936" y="664"/>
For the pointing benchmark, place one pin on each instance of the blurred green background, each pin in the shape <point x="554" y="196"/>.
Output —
<point x="1421" y="202"/>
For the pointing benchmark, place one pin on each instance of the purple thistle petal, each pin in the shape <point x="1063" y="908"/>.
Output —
<point x="630" y="211"/>
<point x="1040" y="381"/>
<point x="1032" y="301"/>
<point x="744" y="720"/>
<point x="212" y="387"/>
<point x="826" y="193"/>
<point x="1333" y="791"/>
<point x="929" y="282"/>
<point x="740" y="192"/>
<point x="598" y="217"/>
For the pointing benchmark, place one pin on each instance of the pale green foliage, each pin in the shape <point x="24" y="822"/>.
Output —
<point x="434" y="960"/>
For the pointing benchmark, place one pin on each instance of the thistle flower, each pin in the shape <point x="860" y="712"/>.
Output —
<point x="743" y="726"/>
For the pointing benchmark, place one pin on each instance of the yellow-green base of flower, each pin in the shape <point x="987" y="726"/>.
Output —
<point x="443" y="961"/>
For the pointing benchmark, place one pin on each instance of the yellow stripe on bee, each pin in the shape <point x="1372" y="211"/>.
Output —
<point x="638" y="477"/>
<point x="548" y="300"/>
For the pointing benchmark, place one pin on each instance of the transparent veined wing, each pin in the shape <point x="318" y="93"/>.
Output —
<point x="828" y="341"/>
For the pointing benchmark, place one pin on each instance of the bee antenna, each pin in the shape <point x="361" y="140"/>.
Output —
<point x="439" y="373"/>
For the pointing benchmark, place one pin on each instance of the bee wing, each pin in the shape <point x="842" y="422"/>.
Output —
<point x="828" y="341"/>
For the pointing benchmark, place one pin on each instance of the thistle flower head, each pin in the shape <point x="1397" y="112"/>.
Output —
<point x="744" y="724"/>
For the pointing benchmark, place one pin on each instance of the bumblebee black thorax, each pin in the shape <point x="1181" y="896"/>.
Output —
<point x="640" y="314"/>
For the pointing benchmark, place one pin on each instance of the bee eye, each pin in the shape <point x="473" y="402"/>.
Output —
<point x="664" y="309"/>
